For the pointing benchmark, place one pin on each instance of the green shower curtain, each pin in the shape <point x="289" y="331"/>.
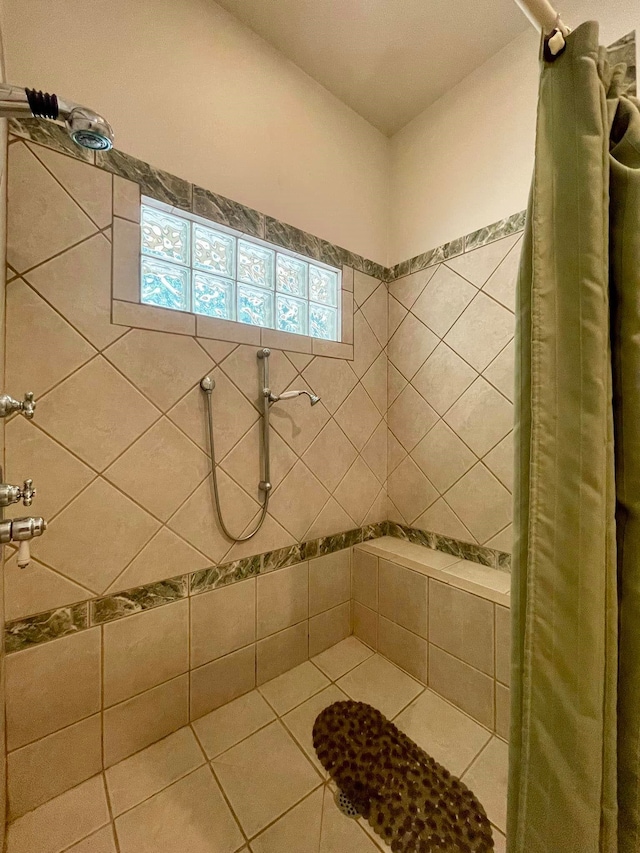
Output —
<point x="575" y="730"/>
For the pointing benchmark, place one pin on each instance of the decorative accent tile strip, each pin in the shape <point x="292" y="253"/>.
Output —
<point x="177" y="192"/>
<point x="490" y="234"/>
<point x="140" y="598"/>
<point x="33" y="630"/>
<point x="496" y="231"/>
<point x="465" y="550"/>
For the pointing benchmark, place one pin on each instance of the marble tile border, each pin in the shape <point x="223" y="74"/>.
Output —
<point x="182" y="195"/>
<point x="60" y="622"/>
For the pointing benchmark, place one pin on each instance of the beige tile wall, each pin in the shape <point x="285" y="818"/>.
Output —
<point x="89" y="700"/>
<point x="3" y="244"/>
<point x="456" y="642"/>
<point x="114" y="400"/>
<point x="450" y="395"/>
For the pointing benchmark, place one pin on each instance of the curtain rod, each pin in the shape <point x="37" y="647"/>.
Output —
<point x="544" y="17"/>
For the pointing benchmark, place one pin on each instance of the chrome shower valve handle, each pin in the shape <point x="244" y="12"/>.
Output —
<point x="13" y="494"/>
<point x="8" y="405"/>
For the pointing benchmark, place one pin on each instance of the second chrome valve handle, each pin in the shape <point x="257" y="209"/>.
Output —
<point x="13" y="494"/>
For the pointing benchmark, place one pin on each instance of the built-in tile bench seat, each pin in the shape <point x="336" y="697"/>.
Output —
<point x="444" y="620"/>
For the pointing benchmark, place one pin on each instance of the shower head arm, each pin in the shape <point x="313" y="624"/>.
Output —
<point x="289" y="395"/>
<point x="18" y="102"/>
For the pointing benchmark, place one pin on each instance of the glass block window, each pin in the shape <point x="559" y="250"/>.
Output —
<point x="190" y="265"/>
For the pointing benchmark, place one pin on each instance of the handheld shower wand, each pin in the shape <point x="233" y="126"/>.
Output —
<point x="207" y="385"/>
<point x="84" y="126"/>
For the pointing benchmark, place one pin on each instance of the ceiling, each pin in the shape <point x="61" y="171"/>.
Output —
<point x="386" y="59"/>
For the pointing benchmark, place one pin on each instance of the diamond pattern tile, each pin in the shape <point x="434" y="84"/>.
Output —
<point x="298" y="500"/>
<point x="42" y="218"/>
<point x="395" y="383"/>
<point x="357" y="491"/>
<point x="440" y="518"/>
<point x="410" y="416"/>
<point x="37" y="589"/>
<point x="481" y="502"/>
<point x="375" y="383"/>
<point x="397" y="313"/>
<point x="165" y="556"/>
<point x="101" y="394"/>
<point x="406" y="290"/>
<point x="332" y="517"/>
<point x="330" y="378"/>
<point x="52" y="354"/>
<point x="478" y="265"/>
<point x="482" y="331"/>
<point x="374" y="452"/>
<point x="161" y="365"/>
<point x="443" y="300"/>
<point x="363" y="286"/>
<point x="242" y="463"/>
<point x="366" y="346"/>
<point x="443" y="457"/>
<point x="233" y="415"/>
<point x="411" y="345"/>
<point x="358" y="417"/>
<point x="60" y="476"/>
<point x="500" y="461"/>
<point x="410" y="490"/>
<point x="443" y="362"/>
<point x="330" y="455"/>
<point x="376" y="312"/>
<point x="160" y="488"/>
<point x="245" y="371"/>
<point x="95" y="536"/>
<point x="296" y="421"/>
<point x="196" y="521"/>
<point x="500" y="372"/>
<point x="502" y="284"/>
<point x="481" y="417"/>
<point x="78" y="285"/>
<point x="89" y="187"/>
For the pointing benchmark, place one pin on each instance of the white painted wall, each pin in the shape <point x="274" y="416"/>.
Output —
<point x="466" y="161"/>
<point x="192" y="91"/>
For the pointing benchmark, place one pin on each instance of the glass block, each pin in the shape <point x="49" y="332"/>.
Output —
<point x="323" y="322"/>
<point x="213" y="296"/>
<point x="255" y="264"/>
<point x="291" y="314"/>
<point x="165" y="236"/>
<point x="291" y="275"/>
<point x="214" y="251"/>
<point x="166" y="285"/>
<point x="323" y="286"/>
<point x="255" y="306"/>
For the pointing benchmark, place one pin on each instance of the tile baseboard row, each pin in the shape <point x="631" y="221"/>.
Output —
<point x="184" y="195"/>
<point x="63" y="621"/>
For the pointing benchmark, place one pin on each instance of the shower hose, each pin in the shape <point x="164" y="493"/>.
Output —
<point x="216" y="493"/>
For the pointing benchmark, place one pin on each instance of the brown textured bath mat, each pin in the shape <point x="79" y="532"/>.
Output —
<point x="410" y="800"/>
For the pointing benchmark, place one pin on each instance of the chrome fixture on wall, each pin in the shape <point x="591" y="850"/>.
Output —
<point x="207" y="385"/>
<point x="84" y="126"/>
<point x="13" y="494"/>
<point x="22" y="530"/>
<point x="8" y="405"/>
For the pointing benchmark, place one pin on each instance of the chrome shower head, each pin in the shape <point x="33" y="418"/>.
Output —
<point x="84" y="126"/>
<point x="314" y="399"/>
<point x="89" y="130"/>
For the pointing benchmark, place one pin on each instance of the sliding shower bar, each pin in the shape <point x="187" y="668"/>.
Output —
<point x="207" y="385"/>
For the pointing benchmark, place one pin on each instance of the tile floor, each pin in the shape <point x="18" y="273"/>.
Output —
<point x="245" y="777"/>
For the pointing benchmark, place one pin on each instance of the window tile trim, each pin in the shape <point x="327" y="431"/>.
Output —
<point x="243" y="245"/>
